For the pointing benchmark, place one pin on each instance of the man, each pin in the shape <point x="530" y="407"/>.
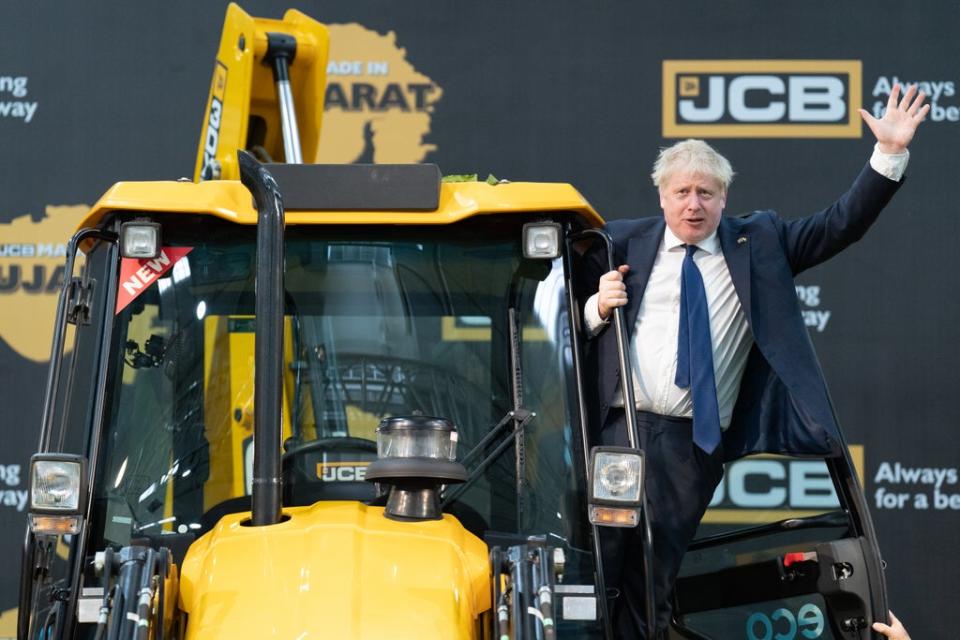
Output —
<point x="722" y="364"/>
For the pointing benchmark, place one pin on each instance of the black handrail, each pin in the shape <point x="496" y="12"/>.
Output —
<point x="60" y="330"/>
<point x="633" y="435"/>
<point x="574" y="315"/>
<point x="623" y="346"/>
<point x="268" y="356"/>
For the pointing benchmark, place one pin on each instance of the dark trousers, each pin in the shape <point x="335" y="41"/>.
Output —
<point x="679" y="482"/>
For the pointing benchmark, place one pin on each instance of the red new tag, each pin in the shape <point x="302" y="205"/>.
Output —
<point x="137" y="275"/>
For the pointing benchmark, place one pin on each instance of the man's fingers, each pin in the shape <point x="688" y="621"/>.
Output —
<point x="612" y="276"/>
<point x="613" y="291"/>
<point x="907" y="97"/>
<point x="894" y="631"/>
<point x="610" y="303"/>
<point x="882" y="628"/>
<point x="894" y="96"/>
<point x="920" y="115"/>
<point x="607" y="303"/>
<point x="606" y="296"/>
<point x="916" y="103"/>
<point x="613" y="288"/>
<point x="872" y="123"/>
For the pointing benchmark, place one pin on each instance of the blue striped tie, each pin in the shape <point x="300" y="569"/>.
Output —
<point x="695" y="355"/>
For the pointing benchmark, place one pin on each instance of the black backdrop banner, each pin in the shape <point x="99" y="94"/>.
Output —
<point x="580" y="92"/>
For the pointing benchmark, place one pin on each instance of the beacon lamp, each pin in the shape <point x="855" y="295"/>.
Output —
<point x="416" y="455"/>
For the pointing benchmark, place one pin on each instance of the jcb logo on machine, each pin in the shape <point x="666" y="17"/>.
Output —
<point x="342" y="471"/>
<point x="211" y="169"/>
<point x="761" y="98"/>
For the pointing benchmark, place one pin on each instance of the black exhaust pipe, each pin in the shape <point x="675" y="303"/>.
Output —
<point x="268" y="357"/>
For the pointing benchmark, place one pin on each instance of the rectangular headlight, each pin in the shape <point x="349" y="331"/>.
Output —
<point x="140" y="239"/>
<point x="541" y="240"/>
<point x="617" y="476"/>
<point x="57" y="484"/>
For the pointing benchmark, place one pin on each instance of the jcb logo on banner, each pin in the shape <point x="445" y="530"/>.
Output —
<point x="767" y="488"/>
<point x="761" y="98"/>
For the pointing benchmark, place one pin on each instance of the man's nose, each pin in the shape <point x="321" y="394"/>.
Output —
<point x="693" y="202"/>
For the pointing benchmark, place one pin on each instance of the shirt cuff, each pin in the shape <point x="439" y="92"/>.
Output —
<point x="591" y="316"/>
<point x="889" y="165"/>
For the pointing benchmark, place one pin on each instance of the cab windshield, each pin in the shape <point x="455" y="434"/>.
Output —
<point x="411" y="322"/>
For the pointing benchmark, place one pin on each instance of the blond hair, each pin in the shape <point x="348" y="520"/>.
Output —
<point x="692" y="156"/>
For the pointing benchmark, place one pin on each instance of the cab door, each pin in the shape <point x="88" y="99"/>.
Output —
<point x="787" y="550"/>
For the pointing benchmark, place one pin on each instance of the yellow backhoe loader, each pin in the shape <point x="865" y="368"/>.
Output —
<point x="321" y="401"/>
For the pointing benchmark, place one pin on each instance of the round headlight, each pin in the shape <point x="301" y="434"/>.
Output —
<point x="417" y="437"/>
<point x="616" y="478"/>
<point x="56" y="484"/>
<point x="617" y="475"/>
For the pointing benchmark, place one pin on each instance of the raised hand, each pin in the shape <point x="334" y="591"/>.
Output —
<point x="895" y="129"/>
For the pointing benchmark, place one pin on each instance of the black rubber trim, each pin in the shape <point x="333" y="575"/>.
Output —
<point x="415" y="468"/>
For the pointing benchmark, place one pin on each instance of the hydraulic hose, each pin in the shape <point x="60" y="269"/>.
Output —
<point x="105" y="605"/>
<point x="145" y="594"/>
<point x="545" y="594"/>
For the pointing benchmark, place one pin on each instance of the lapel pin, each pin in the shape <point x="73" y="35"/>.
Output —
<point x="742" y="240"/>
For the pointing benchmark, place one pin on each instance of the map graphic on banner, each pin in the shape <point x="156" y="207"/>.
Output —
<point x="378" y="106"/>
<point x="31" y="272"/>
<point x="378" y="109"/>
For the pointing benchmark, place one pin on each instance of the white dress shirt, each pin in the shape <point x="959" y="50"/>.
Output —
<point x="653" y="348"/>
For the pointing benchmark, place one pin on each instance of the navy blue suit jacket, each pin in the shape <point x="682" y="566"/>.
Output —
<point x="783" y="405"/>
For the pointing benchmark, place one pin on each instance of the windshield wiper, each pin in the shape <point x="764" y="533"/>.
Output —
<point x="520" y="418"/>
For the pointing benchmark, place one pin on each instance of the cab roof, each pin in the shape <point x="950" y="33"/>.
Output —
<point x="311" y="203"/>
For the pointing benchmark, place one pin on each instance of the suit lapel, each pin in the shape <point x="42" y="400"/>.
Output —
<point x="641" y="253"/>
<point x="736" y="251"/>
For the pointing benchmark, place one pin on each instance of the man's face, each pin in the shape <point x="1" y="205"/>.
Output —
<point x="692" y="205"/>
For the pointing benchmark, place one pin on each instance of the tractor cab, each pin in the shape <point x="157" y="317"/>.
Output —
<point x="451" y="315"/>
